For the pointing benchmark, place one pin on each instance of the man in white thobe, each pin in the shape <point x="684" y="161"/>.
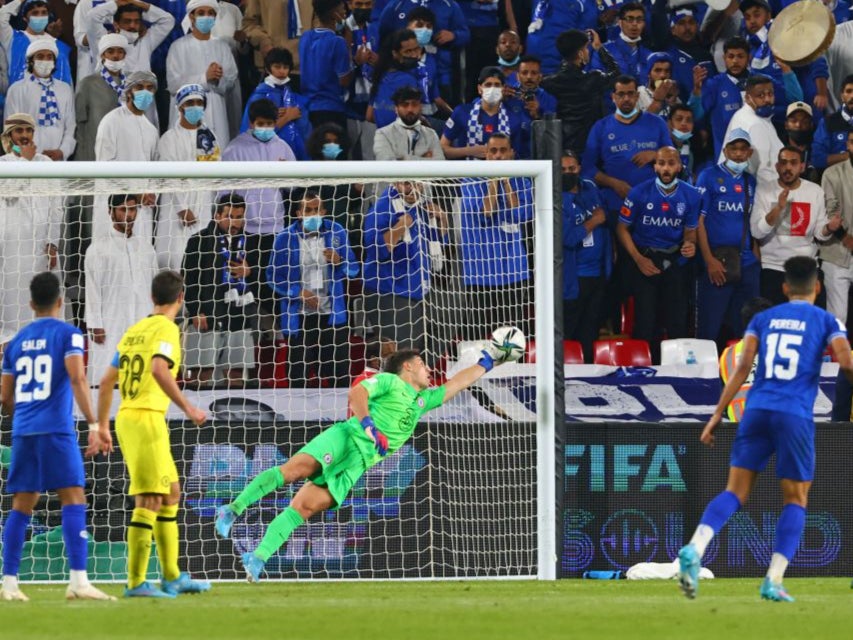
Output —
<point x="125" y="134"/>
<point x="119" y="269"/>
<point x="29" y="230"/>
<point x="200" y="58"/>
<point x="48" y="100"/>
<point x="182" y="213"/>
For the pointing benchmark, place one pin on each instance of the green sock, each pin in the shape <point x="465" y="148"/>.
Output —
<point x="262" y="484"/>
<point x="278" y="532"/>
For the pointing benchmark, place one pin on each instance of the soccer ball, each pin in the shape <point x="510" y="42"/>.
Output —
<point x="509" y="342"/>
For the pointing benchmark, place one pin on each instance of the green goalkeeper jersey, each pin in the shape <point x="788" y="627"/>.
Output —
<point x="395" y="406"/>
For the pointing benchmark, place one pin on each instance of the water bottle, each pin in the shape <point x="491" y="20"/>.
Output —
<point x="691" y="357"/>
<point x="602" y="575"/>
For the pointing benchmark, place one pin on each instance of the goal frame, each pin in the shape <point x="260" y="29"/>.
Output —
<point x="539" y="171"/>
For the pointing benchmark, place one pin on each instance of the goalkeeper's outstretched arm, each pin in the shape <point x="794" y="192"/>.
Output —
<point x="489" y="358"/>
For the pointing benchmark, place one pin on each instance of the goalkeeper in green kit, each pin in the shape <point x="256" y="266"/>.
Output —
<point x="386" y="409"/>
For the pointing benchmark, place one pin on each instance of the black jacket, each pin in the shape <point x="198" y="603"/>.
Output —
<point x="202" y="269"/>
<point x="580" y="98"/>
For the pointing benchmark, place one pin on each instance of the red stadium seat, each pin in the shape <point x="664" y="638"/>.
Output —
<point x="623" y="353"/>
<point x="572" y="352"/>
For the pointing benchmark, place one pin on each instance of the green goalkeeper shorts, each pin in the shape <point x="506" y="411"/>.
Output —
<point x="340" y="460"/>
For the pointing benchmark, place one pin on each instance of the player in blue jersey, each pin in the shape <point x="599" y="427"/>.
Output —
<point x="790" y="340"/>
<point x="43" y="373"/>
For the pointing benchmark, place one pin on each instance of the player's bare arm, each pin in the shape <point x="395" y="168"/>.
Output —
<point x="161" y="373"/>
<point x="7" y="394"/>
<point x="841" y="351"/>
<point x="99" y="440"/>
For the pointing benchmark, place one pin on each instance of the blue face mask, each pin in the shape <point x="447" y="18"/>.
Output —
<point x="764" y="112"/>
<point x="682" y="136"/>
<point x="424" y="36"/>
<point x="736" y="167"/>
<point x="628" y="115"/>
<point x="264" y="134"/>
<point x="663" y="185"/>
<point x="142" y="99"/>
<point x="312" y="224"/>
<point x="205" y="23"/>
<point x="509" y="63"/>
<point x="194" y="114"/>
<point x="331" y="150"/>
<point x="38" y="23"/>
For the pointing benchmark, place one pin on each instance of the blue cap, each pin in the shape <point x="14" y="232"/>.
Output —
<point x="681" y="12"/>
<point x="737" y="134"/>
<point x="658" y="56"/>
<point x="190" y="92"/>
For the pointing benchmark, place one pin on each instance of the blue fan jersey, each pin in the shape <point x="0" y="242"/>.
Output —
<point x="723" y="201"/>
<point x="36" y="359"/>
<point x="792" y="338"/>
<point x="658" y="219"/>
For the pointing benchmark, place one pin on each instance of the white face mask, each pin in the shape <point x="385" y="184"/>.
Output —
<point x="116" y="66"/>
<point x="493" y="95"/>
<point x="132" y="36"/>
<point x="276" y="82"/>
<point x="43" y="68"/>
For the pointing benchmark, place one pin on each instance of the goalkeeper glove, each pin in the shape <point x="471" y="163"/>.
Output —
<point x="380" y="440"/>
<point x="489" y="357"/>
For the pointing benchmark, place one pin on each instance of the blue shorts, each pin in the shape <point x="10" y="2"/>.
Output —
<point x="762" y="432"/>
<point x="45" y="462"/>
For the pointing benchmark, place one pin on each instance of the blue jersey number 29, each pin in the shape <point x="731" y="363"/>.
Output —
<point x="27" y="370"/>
<point x="782" y="345"/>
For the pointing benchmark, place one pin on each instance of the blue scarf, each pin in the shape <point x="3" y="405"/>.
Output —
<point x="48" y="108"/>
<point x="118" y="87"/>
<point x="237" y="255"/>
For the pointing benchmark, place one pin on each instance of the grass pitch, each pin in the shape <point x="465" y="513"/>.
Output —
<point x="725" y="610"/>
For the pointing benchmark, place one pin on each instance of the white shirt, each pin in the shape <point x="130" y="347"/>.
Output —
<point x="765" y="143"/>
<point x="123" y="135"/>
<point x="25" y="97"/>
<point x="313" y="263"/>
<point x="801" y="223"/>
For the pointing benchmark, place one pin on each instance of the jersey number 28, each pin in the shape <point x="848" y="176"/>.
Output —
<point x="28" y="369"/>
<point x="782" y="345"/>
<point x="130" y="375"/>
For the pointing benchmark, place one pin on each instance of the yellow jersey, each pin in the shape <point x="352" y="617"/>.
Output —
<point x="151" y="337"/>
<point x="728" y="363"/>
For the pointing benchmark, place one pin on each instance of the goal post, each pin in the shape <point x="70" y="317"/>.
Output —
<point x="452" y="502"/>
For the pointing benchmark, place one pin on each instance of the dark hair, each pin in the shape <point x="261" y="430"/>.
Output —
<point x="800" y="154"/>
<point x="800" y="274"/>
<point x="491" y="72"/>
<point x="278" y="55"/>
<point x="530" y="58"/>
<point x="500" y="135"/>
<point x="45" y="290"/>
<point x="676" y="108"/>
<point x="230" y="199"/>
<point x="126" y="8"/>
<point x="568" y="153"/>
<point x="848" y="79"/>
<point x="394" y="363"/>
<point x="120" y="199"/>
<point x="386" y="60"/>
<point x="757" y="80"/>
<point x="407" y="92"/>
<point x="736" y="42"/>
<point x="308" y="195"/>
<point x="316" y="140"/>
<point x="624" y="78"/>
<point x="570" y="43"/>
<point x="631" y="6"/>
<point x="166" y="287"/>
<point x="324" y="7"/>
<point x="262" y="108"/>
<point x="421" y="13"/>
<point x="751" y="308"/>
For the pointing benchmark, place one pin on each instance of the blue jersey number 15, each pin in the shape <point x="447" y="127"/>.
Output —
<point x="782" y="345"/>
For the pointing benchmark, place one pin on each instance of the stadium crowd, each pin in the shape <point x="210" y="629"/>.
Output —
<point x="696" y="162"/>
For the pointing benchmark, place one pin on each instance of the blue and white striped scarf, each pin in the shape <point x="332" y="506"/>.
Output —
<point x="48" y="108"/>
<point x="762" y="57"/>
<point x="118" y="87"/>
<point x="475" y="129"/>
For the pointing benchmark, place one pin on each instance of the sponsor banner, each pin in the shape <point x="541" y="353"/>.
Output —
<point x="635" y="493"/>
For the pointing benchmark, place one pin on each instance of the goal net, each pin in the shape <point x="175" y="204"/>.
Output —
<point x="299" y="279"/>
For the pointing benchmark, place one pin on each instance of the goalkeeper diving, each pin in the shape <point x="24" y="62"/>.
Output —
<point x="386" y="409"/>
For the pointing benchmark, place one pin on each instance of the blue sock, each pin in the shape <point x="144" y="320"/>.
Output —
<point x="75" y="535"/>
<point x="789" y="529"/>
<point x="14" y="534"/>
<point x="719" y="510"/>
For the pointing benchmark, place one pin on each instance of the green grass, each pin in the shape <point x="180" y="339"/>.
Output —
<point x="725" y="610"/>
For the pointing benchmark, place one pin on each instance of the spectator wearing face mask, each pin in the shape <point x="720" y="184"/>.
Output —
<point x="799" y="133"/>
<point x="36" y="16"/>
<point x="627" y="49"/>
<point x="48" y="100"/>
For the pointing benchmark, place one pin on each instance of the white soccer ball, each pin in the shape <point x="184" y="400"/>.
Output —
<point x="510" y="343"/>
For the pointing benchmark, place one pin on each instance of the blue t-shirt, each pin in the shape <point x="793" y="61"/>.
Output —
<point x="422" y="78"/>
<point x="722" y="206"/>
<point x="577" y="209"/>
<point x="792" y="338"/>
<point x="295" y="132"/>
<point x="658" y="219"/>
<point x="631" y="61"/>
<point x="611" y="145"/>
<point x="547" y="102"/>
<point x="323" y="60"/>
<point x="557" y="16"/>
<point x="44" y="402"/>
<point x="830" y="138"/>
<point x="518" y="120"/>
<point x="721" y="97"/>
